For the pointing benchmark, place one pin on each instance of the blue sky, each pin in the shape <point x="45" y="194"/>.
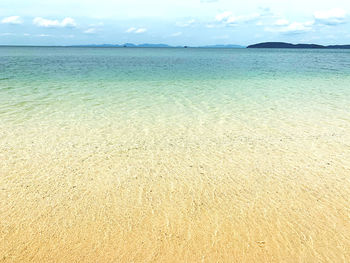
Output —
<point x="175" y="22"/>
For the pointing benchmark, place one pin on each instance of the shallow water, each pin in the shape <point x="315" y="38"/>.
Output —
<point x="174" y="155"/>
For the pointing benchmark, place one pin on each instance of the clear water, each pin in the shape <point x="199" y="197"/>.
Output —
<point x="122" y="83"/>
<point x="174" y="155"/>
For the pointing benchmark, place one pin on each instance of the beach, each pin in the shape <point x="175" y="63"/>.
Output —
<point x="174" y="155"/>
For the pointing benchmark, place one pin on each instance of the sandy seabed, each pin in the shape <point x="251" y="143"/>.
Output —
<point x="164" y="193"/>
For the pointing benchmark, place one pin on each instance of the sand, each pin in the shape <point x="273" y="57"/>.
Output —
<point x="267" y="191"/>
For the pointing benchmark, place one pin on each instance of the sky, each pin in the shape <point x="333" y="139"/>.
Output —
<point x="174" y="22"/>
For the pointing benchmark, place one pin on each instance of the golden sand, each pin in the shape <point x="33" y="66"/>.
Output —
<point x="257" y="192"/>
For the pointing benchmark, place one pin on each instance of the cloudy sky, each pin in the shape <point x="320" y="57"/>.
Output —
<point x="175" y="22"/>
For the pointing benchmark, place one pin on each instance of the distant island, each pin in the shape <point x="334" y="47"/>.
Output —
<point x="157" y="45"/>
<point x="289" y="45"/>
<point x="260" y="45"/>
<point x="122" y="45"/>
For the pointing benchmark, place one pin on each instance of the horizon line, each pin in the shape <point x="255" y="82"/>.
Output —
<point x="163" y="45"/>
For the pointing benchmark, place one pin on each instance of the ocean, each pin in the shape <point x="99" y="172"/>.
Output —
<point x="174" y="155"/>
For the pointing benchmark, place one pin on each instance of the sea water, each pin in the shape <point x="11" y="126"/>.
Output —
<point x="174" y="155"/>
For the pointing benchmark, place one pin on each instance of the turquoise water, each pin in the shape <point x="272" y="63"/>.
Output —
<point x="116" y="84"/>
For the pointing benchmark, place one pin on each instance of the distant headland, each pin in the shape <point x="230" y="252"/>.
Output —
<point x="289" y="45"/>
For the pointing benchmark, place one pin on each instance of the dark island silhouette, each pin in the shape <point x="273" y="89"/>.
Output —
<point x="289" y="45"/>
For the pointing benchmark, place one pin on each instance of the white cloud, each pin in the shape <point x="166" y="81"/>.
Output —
<point x="66" y="22"/>
<point x="131" y="29"/>
<point x="176" y="34"/>
<point x="227" y="18"/>
<point x="186" y="24"/>
<point x="247" y="18"/>
<point x="90" y="31"/>
<point x="39" y="21"/>
<point x="223" y="16"/>
<point x="309" y="23"/>
<point x="12" y="20"/>
<point x="297" y="27"/>
<point x="331" y="17"/>
<point x="140" y="30"/>
<point x="291" y="28"/>
<point x="136" y="30"/>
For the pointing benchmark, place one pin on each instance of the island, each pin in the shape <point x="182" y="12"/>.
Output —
<point x="289" y="45"/>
